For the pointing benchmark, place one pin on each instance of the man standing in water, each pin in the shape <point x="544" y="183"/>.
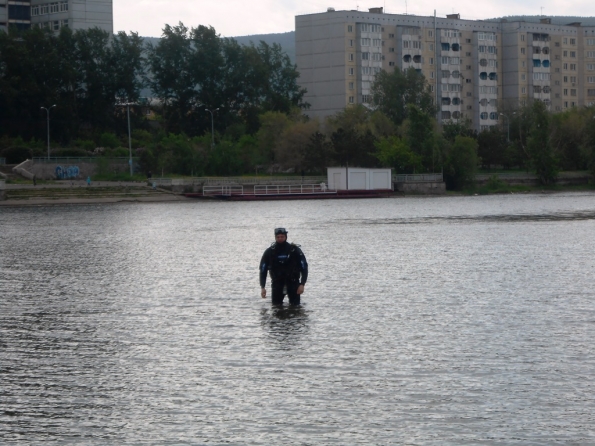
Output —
<point x="288" y="267"/>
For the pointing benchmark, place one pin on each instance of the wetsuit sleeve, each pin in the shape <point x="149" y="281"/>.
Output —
<point x="303" y="268"/>
<point x="264" y="268"/>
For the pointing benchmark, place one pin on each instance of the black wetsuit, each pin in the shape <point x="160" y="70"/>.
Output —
<point x="289" y="269"/>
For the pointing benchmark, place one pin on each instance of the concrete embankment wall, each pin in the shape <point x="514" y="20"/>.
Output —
<point x="2" y="190"/>
<point x="528" y="179"/>
<point x="66" y="169"/>
<point x="424" y="188"/>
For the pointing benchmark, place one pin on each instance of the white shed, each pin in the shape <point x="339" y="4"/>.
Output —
<point x="359" y="178"/>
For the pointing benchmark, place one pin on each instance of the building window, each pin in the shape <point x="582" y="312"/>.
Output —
<point x="351" y="71"/>
<point x="351" y="56"/>
<point x="391" y="36"/>
<point x="573" y="41"/>
<point x="591" y="79"/>
<point x="349" y="29"/>
<point x="391" y="50"/>
<point x="391" y="64"/>
<point x="365" y="56"/>
<point x="523" y="90"/>
<point x="523" y="50"/>
<point x="365" y="42"/>
<point x="351" y="85"/>
<point x="573" y="54"/>
<point x="565" y="53"/>
<point x="430" y="33"/>
<point x="350" y="42"/>
<point x="351" y="100"/>
<point x="591" y="54"/>
<point x="572" y="67"/>
<point x="565" y="92"/>
<point x="483" y="115"/>
<point x="573" y="92"/>
<point x="431" y="61"/>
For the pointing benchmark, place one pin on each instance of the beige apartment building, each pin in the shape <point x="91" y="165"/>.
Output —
<point x="481" y="70"/>
<point x="56" y="14"/>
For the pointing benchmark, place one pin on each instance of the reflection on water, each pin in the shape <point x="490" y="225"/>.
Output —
<point x="460" y="320"/>
<point x="285" y="325"/>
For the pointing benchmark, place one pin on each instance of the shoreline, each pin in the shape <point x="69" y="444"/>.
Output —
<point x="168" y="197"/>
<point x="82" y="201"/>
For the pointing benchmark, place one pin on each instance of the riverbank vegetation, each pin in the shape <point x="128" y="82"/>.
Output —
<point x="217" y="108"/>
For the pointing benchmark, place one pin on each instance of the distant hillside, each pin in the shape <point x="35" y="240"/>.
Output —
<point x="286" y="40"/>
<point x="556" y="20"/>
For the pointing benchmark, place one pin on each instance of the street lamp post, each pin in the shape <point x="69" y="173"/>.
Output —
<point x="212" y="127"/>
<point x="507" y="126"/>
<point x="128" y="104"/>
<point x="47" y="110"/>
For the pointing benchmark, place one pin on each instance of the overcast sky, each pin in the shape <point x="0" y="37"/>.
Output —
<point x="243" y="17"/>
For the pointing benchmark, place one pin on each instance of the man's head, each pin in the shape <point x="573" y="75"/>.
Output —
<point x="280" y="235"/>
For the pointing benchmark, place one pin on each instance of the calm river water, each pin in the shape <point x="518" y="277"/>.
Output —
<point x="426" y="321"/>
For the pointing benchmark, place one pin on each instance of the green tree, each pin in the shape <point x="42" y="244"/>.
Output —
<point x="421" y="137"/>
<point x="170" y="75"/>
<point x="272" y="126"/>
<point x="395" y="153"/>
<point x="539" y="145"/>
<point x="461" y="165"/>
<point x="492" y="148"/>
<point x="318" y="153"/>
<point x="588" y="143"/>
<point x="393" y="92"/>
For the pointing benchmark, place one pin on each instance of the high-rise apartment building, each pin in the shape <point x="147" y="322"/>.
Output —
<point x="475" y="69"/>
<point x="55" y="14"/>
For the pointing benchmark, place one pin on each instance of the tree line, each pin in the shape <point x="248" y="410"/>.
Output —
<point x="246" y="99"/>
<point x="89" y="74"/>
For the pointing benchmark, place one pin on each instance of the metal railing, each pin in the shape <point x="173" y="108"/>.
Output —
<point x="245" y="181"/>
<point x="259" y="180"/>
<point x="418" y="178"/>
<point x="293" y="189"/>
<point x="223" y="190"/>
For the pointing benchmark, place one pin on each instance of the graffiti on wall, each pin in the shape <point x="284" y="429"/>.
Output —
<point x="66" y="173"/>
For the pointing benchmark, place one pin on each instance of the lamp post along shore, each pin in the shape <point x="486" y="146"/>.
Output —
<point x="47" y="110"/>
<point x="128" y="104"/>
<point x="129" y="139"/>
<point x="212" y="127"/>
<point x="507" y="126"/>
